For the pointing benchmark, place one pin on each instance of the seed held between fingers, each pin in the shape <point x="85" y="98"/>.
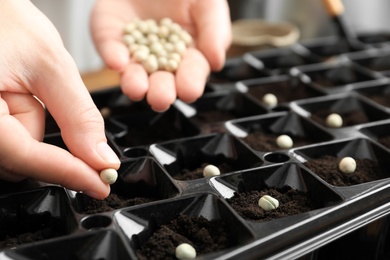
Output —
<point x="109" y="176"/>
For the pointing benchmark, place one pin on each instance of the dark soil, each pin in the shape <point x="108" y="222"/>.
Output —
<point x="291" y="202"/>
<point x="204" y="235"/>
<point x="112" y="202"/>
<point x="212" y="116"/>
<point x="14" y="239"/>
<point x="385" y="140"/>
<point x="383" y="99"/>
<point x="284" y="91"/>
<point x="326" y="167"/>
<point x="261" y="141"/>
<point x="193" y="174"/>
<point x="349" y="119"/>
<point x="337" y="77"/>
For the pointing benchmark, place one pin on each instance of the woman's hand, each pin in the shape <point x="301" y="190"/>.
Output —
<point x="208" y="22"/>
<point x="35" y="65"/>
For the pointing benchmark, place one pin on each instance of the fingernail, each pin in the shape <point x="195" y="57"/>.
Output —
<point x="108" y="155"/>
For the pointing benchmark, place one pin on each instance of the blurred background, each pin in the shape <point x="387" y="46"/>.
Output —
<point x="71" y="18"/>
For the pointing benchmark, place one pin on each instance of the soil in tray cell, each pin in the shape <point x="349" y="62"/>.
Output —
<point x="204" y="235"/>
<point x="326" y="167"/>
<point x="291" y="202"/>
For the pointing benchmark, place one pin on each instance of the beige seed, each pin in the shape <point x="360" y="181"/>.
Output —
<point x="140" y="55"/>
<point x="163" y="31"/>
<point x="334" y="120"/>
<point x="128" y="39"/>
<point x="268" y="203"/>
<point x="109" y="175"/>
<point x="211" y="170"/>
<point x="173" y="38"/>
<point x="171" y="65"/>
<point x="185" y="251"/>
<point x="129" y="27"/>
<point x="347" y="165"/>
<point x="137" y="34"/>
<point x="166" y="21"/>
<point x="150" y="64"/>
<point x="174" y="56"/>
<point x="270" y="99"/>
<point x="180" y="47"/>
<point x="284" y="141"/>
<point x="175" y="28"/>
<point x="186" y="37"/>
<point x="162" y="62"/>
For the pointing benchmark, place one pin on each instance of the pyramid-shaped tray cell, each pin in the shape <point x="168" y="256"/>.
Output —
<point x="204" y="221"/>
<point x="102" y="244"/>
<point x="373" y="59"/>
<point x="352" y="108"/>
<point x="279" y="61"/>
<point x="377" y="92"/>
<point x="337" y="76"/>
<point x="301" y="195"/>
<point x="140" y="181"/>
<point x="35" y="215"/>
<point x="372" y="161"/>
<point x="379" y="132"/>
<point x="325" y="48"/>
<point x="261" y="132"/>
<point x="211" y="111"/>
<point x="285" y="88"/>
<point x="375" y="38"/>
<point x="235" y="69"/>
<point x="151" y="127"/>
<point x="184" y="159"/>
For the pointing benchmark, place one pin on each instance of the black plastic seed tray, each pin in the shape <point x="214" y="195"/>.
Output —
<point x="162" y="199"/>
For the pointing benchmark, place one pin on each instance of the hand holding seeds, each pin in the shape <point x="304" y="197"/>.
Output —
<point x="208" y="24"/>
<point x="156" y="45"/>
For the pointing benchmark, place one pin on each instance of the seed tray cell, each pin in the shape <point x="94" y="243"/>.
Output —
<point x="325" y="49"/>
<point x="352" y="108"/>
<point x="260" y="132"/>
<point x="377" y="92"/>
<point x="379" y="132"/>
<point x="235" y="69"/>
<point x="279" y="61"/>
<point x="337" y="76"/>
<point x="323" y="160"/>
<point x="151" y="199"/>
<point x="285" y="88"/>
<point x="376" y="60"/>
<point x="185" y="159"/>
<point x="209" y="112"/>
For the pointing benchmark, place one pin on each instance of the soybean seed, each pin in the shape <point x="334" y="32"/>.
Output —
<point x="347" y="165"/>
<point x="109" y="175"/>
<point x="185" y="251"/>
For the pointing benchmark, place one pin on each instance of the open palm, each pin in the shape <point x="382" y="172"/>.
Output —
<point x="207" y="21"/>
